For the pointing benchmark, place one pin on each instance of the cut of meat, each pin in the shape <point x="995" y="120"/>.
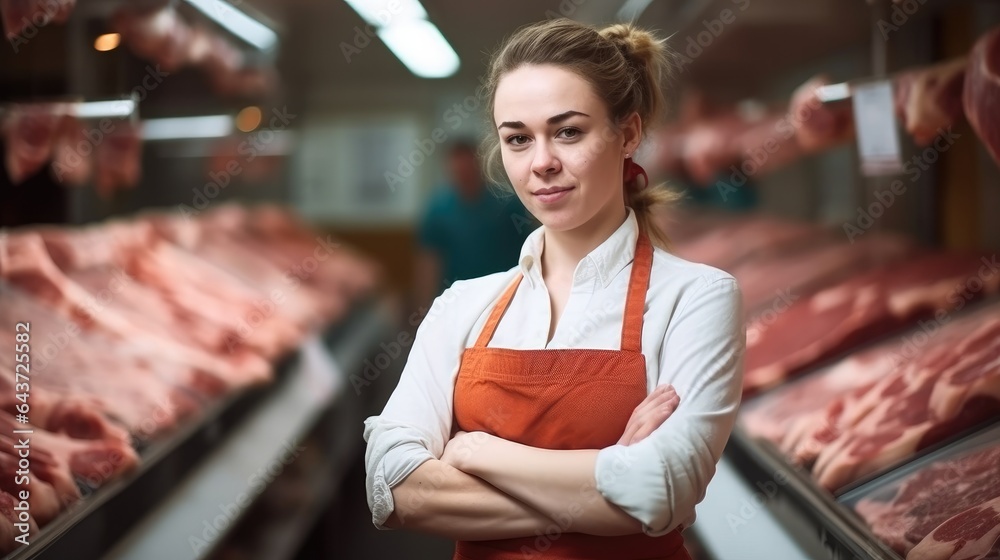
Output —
<point x="973" y="534"/>
<point x="160" y="35"/>
<point x="929" y="99"/>
<point x="758" y="237"/>
<point x="937" y="503"/>
<point x="118" y="159"/>
<point x="29" y="131"/>
<point x="941" y="392"/>
<point x="982" y="91"/>
<point x="804" y="272"/>
<point x="69" y="165"/>
<point x="21" y="15"/>
<point x="878" y="374"/>
<point x="821" y="126"/>
<point x="58" y="460"/>
<point x="782" y="415"/>
<point x="831" y="321"/>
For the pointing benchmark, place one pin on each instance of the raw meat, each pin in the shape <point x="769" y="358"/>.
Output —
<point x="160" y="35"/>
<point x="803" y="272"/>
<point x="929" y="99"/>
<point x="29" y="132"/>
<point x="800" y="405"/>
<point x="868" y="379"/>
<point x="973" y="534"/>
<point x="982" y="91"/>
<point x="935" y="504"/>
<point x="944" y="391"/>
<point x="30" y="267"/>
<point x="21" y="15"/>
<point x="819" y="326"/>
<point x="819" y="126"/>
<point x="757" y="237"/>
<point x="60" y="460"/>
<point x="69" y="164"/>
<point x="118" y="159"/>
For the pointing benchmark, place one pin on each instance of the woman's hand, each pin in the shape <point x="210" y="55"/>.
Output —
<point x="650" y="414"/>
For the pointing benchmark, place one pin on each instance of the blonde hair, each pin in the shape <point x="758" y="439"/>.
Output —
<point x="624" y="65"/>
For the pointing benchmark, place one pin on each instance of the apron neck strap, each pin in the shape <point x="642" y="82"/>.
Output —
<point x="635" y="301"/>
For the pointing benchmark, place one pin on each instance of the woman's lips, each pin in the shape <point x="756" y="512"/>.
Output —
<point x="550" y="195"/>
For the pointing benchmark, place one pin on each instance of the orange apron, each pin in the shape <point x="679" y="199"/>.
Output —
<point x="561" y="399"/>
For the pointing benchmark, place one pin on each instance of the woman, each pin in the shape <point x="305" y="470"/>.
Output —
<point x="536" y="416"/>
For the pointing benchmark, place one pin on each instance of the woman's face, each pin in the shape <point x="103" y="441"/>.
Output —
<point x="559" y="148"/>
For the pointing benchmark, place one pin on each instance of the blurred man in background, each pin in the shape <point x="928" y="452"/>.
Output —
<point x="467" y="230"/>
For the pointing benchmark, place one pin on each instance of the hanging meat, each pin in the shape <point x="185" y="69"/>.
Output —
<point x="29" y="133"/>
<point x="982" y="91"/>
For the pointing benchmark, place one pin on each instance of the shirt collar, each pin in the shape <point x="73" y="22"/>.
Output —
<point x="604" y="262"/>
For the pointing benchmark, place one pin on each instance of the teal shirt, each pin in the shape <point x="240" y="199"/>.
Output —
<point x="474" y="238"/>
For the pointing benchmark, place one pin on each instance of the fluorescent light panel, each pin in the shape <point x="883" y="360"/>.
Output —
<point x="420" y="46"/>
<point x="212" y="126"/>
<point x="237" y="23"/>
<point x="104" y="109"/>
<point x="381" y="13"/>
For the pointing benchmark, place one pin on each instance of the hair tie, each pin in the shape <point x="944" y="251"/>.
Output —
<point x="633" y="171"/>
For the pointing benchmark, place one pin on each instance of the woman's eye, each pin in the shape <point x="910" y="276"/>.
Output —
<point x="569" y="133"/>
<point x="517" y="139"/>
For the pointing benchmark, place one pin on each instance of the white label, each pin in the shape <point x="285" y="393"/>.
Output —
<point x="875" y="121"/>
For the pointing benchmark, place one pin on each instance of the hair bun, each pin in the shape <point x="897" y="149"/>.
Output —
<point x="640" y="47"/>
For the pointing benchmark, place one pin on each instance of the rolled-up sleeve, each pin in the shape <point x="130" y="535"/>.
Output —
<point x="416" y="422"/>
<point x="661" y="479"/>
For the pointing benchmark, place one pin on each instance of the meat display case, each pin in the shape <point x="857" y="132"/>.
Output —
<point x="225" y="459"/>
<point x="761" y="505"/>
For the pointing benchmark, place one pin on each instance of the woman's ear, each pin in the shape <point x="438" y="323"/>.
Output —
<point x="631" y="133"/>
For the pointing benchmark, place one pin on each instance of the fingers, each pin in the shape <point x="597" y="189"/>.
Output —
<point x="650" y="414"/>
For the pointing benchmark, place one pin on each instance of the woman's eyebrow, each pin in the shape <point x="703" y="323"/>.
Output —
<point x="551" y="120"/>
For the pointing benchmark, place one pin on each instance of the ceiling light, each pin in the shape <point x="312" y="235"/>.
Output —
<point x="107" y="42"/>
<point x="248" y="119"/>
<point x="420" y="46"/>
<point x="212" y="126"/>
<point x="382" y="13"/>
<point x="237" y="23"/>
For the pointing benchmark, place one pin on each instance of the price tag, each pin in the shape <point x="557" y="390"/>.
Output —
<point x="875" y="122"/>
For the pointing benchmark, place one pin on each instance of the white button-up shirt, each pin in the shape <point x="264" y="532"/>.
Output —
<point x="693" y="338"/>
